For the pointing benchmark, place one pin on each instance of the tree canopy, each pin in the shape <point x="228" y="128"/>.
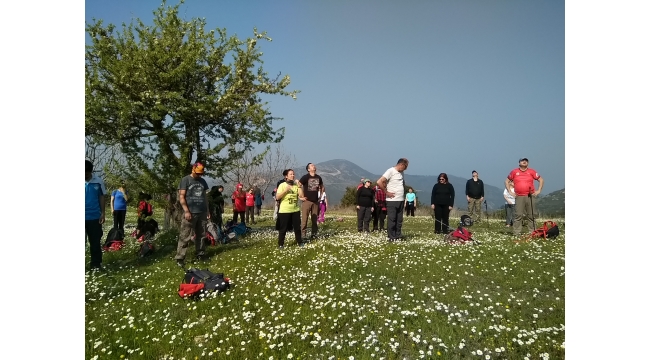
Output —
<point x="172" y="93"/>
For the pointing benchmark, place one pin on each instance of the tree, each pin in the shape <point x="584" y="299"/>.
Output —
<point x="172" y="93"/>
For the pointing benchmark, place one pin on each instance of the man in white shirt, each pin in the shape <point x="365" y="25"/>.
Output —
<point x="392" y="183"/>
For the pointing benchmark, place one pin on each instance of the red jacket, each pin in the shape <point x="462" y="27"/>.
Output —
<point x="240" y="201"/>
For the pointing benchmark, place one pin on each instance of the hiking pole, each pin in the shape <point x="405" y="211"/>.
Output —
<point x="487" y="217"/>
<point x="532" y="211"/>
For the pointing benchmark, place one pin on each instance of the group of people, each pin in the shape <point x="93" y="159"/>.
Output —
<point x="386" y="200"/>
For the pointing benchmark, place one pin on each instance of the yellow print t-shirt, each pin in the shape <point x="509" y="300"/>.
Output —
<point x="289" y="202"/>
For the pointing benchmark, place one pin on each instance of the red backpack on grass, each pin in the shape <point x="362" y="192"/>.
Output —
<point x="548" y="230"/>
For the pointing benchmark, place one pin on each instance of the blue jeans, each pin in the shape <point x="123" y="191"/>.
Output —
<point x="395" y="215"/>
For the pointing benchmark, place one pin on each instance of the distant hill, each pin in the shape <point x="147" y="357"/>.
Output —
<point x="551" y="204"/>
<point x="339" y="174"/>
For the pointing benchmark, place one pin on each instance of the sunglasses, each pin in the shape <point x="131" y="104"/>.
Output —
<point x="442" y="179"/>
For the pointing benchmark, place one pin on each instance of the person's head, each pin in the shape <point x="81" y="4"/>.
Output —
<point x="361" y="181"/>
<point x="284" y="173"/>
<point x="311" y="168"/>
<point x="474" y="174"/>
<point x="367" y="183"/>
<point x="198" y="170"/>
<point x="89" y="169"/>
<point x="410" y="190"/>
<point x="523" y="163"/>
<point x="290" y="175"/>
<point x="214" y="189"/>
<point x="220" y="188"/>
<point x="251" y="190"/>
<point x="402" y="164"/>
<point x="239" y="187"/>
<point x="442" y="178"/>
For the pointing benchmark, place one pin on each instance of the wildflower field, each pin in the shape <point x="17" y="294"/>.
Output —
<point x="345" y="295"/>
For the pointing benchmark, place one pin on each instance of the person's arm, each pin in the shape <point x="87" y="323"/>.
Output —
<point x="467" y="189"/>
<point x="102" y="207"/>
<point x="541" y="185"/>
<point x="508" y="187"/>
<point x="482" y="190"/>
<point x="181" y="198"/>
<point x="415" y="202"/>
<point x="112" y="204"/>
<point x="358" y="195"/>
<point x="433" y="194"/>
<point x="125" y="194"/>
<point x="451" y="189"/>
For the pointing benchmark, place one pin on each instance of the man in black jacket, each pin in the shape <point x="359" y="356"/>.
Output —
<point x="475" y="193"/>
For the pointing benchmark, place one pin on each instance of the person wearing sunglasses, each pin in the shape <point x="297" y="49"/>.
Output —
<point x="194" y="199"/>
<point x="442" y="201"/>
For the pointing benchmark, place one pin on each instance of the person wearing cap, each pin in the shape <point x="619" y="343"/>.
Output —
<point x="475" y="193"/>
<point x="523" y="179"/>
<point x="311" y="185"/>
<point x="365" y="205"/>
<point x="193" y="197"/>
<point x="239" y="205"/>
<point x="95" y="215"/>
<point x="361" y="182"/>
<point x="392" y="184"/>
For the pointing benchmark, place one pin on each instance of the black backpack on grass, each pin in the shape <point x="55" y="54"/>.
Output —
<point x="199" y="281"/>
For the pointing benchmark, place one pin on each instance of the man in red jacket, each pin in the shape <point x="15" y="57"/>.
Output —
<point x="523" y="178"/>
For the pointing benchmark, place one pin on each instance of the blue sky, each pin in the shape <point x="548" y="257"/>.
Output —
<point x="451" y="85"/>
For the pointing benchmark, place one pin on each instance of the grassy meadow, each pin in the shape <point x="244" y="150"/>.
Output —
<point x="345" y="295"/>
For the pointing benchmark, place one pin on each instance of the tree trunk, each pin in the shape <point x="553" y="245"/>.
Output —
<point x="173" y="212"/>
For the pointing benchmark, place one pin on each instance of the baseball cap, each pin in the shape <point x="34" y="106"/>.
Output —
<point x="239" y="186"/>
<point x="198" y="168"/>
<point x="523" y="159"/>
<point x="367" y="180"/>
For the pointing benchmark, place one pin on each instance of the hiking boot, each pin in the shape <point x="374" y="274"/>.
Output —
<point x="302" y="244"/>
<point x="199" y="258"/>
<point x="180" y="263"/>
<point x="281" y="247"/>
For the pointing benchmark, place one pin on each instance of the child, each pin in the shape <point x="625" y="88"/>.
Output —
<point x="250" y="206"/>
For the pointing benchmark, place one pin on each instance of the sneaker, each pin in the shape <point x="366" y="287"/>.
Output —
<point x="281" y="247"/>
<point x="302" y="244"/>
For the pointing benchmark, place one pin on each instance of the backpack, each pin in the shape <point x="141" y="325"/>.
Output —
<point x="465" y="220"/>
<point x="198" y="282"/>
<point x="459" y="236"/>
<point x="114" y="240"/>
<point x="145" y="209"/>
<point x="548" y="230"/>
<point x="146" y="249"/>
<point x="213" y="233"/>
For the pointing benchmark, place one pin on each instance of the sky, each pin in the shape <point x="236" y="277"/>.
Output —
<point x="453" y="86"/>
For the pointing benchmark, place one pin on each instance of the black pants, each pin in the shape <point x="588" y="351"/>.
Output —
<point x="285" y="222"/>
<point x="395" y="215"/>
<point x="378" y="216"/>
<point x="119" y="216"/>
<point x="94" y="234"/>
<point x="410" y="208"/>
<point x="363" y="218"/>
<point x="258" y="210"/>
<point x="441" y="213"/>
<point x="241" y="213"/>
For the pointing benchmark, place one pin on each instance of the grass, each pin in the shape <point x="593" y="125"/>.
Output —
<point x="343" y="296"/>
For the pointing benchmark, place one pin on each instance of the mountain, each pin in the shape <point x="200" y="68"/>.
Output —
<point x="338" y="174"/>
<point x="551" y="204"/>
